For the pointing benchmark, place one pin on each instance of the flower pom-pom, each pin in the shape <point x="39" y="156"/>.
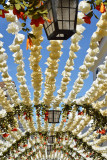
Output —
<point x="84" y="7"/>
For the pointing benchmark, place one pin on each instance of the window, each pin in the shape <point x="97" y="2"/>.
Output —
<point x="97" y="71"/>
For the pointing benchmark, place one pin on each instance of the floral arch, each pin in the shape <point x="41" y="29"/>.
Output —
<point x="19" y="138"/>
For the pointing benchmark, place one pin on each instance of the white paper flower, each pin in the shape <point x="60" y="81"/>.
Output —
<point x="18" y="55"/>
<point x="89" y="59"/>
<point x="75" y="38"/>
<point x="10" y="17"/>
<point x="101" y="32"/>
<point x="19" y="38"/>
<point x="83" y="68"/>
<point x="14" y="48"/>
<point x="2" y="113"/>
<point x="102" y="24"/>
<point x="95" y="37"/>
<point x="1" y="44"/>
<point x="80" y="29"/>
<point x="14" y="27"/>
<point x="84" y="75"/>
<point x="74" y="47"/>
<point x="80" y="19"/>
<point x="84" y="7"/>
<point x="88" y="64"/>
<point x="55" y="55"/>
<point x="53" y="48"/>
<point x="94" y="45"/>
<point x="1" y="36"/>
<point x="68" y="68"/>
<point x="2" y="50"/>
<point x="8" y="79"/>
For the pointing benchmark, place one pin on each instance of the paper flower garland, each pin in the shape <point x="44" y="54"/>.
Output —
<point x="70" y="138"/>
<point x="88" y="62"/>
<point x="52" y="70"/>
<point x="34" y="59"/>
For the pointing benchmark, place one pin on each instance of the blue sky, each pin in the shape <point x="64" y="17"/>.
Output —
<point x="84" y="43"/>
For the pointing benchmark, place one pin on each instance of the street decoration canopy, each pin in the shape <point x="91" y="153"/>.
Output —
<point x="19" y="138"/>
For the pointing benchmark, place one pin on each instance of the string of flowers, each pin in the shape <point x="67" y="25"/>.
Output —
<point x="89" y="59"/>
<point x="17" y="136"/>
<point x="88" y="119"/>
<point x="10" y="130"/>
<point x="18" y="56"/>
<point x="97" y="92"/>
<point x="38" y="121"/>
<point x="27" y="152"/>
<point x="30" y="156"/>
<point x="78" y="125"/>
<point x="12" y="123"/>
<point x="72" y="115"/>
<point x="24" y="123"/>
<point x="66" y="142"/>
<point x="76" y="153"/>
<point x="52" y="70"/>
<point x="20" y="141"/>
<point x="70" y="151"/>
<point x="88" y="132"/>
<point x="14" y="27"/>
<point x="83" y="154"/>
<point x="76" y="122"/>
<point x="4" y="102"/>
<point x="91" y="137"/>
<point x="11" y="138"/>
<point x="97" y="117"/>
<point x="59" y="128"/>
<point x="77" y="142"/>
<point x="102" y="149"/>
<point x="35" y="57"/>
<point x="31" y="125"/>
<point x="100" y="104"/>
<point x="102" y="139"/>
<point x="5" y="75"/>
<point x="11" y="89"/>
<point x="13" y="120"/>
<point x="81" y="125"/>
<point x="51" y="73"/>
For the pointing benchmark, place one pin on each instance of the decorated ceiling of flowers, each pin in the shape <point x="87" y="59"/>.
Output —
<point x="19" y="138"/>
